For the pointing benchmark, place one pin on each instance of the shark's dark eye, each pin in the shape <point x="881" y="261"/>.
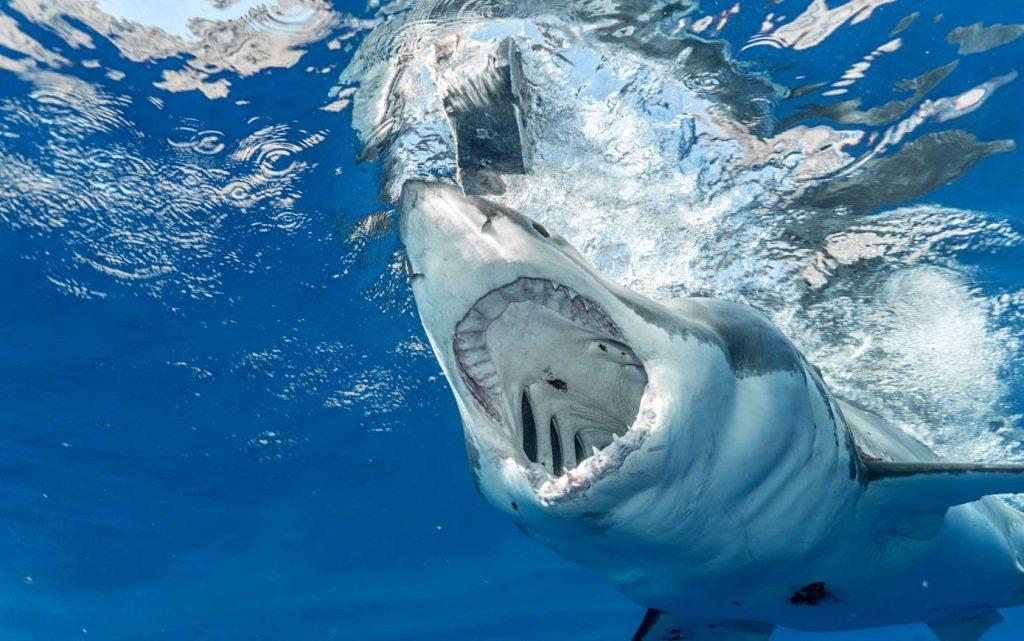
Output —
<point x="540" y="230"/>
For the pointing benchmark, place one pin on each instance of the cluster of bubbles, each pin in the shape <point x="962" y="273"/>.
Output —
<point x="656" y="155"/>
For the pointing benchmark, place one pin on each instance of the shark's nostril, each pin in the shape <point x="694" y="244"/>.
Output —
<point x="529" y="430"/>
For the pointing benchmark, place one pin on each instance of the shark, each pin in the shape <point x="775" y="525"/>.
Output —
<point x="689" y="453"/>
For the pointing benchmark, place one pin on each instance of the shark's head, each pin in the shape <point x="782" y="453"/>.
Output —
<point x="585" y="406"/>
<point x="555" y="373"/>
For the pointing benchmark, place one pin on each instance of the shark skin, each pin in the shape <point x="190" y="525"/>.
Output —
<point x="689" y="453"/>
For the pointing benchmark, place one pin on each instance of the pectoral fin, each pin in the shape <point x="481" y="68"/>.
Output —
<point x="911" y="498"/>
<point x="938" y="485"/>
<point x="968" y="629"/>
<point x="663" y="626"/>
<point x="909" y="488"/>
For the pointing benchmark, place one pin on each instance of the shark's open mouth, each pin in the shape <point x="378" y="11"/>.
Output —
<point x="550" y="367"/>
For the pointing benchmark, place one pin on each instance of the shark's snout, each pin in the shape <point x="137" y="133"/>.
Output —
<point x="432" y="211"/>
<point x="444" y="235"/>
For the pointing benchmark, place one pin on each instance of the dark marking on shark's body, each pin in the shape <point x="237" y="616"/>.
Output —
<point x="886" y="469"/>
<point x="810" y="594"/>
<point x="558" y="384"/>
<point x="650" y="619"/>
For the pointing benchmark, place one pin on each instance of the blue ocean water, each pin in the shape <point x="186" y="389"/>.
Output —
<point x="219" y="415"/>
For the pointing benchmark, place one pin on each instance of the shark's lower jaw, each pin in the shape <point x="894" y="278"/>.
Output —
<point x="603" y="464"/>
<point x="552" y="373"/>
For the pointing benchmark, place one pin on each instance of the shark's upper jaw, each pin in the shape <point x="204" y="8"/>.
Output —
<point x="470" y="343"/>
<point x="551" y="372"/>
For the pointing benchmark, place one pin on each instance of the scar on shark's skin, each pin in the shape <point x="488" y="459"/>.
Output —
<point x="558" y="384"/>
<point x="554" y="382"/>
<point x="810" y="594"/>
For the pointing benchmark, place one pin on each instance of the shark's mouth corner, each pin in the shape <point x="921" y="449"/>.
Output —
<point x="551" y="370"/>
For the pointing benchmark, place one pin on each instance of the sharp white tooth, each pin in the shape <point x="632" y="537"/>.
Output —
<point x="578" y="309"/>
<point x="489" y="380"/>
<point x="484" y="370"/>
<point x="564" y="304"/>
<point x="595" y="450"/>
<point x="598" y="320"/>
<point x="467" y="357"/>
<point x="480" y="369"/>
<point x="553" y="301"/>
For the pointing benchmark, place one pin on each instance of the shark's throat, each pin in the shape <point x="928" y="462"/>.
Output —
<point x="551" y="369"/>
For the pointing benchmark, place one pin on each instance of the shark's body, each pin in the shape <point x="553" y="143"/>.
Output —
<point x="689" y="453"/>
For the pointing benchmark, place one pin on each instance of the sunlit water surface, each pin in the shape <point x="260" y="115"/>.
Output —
<point x="220" y="416"/>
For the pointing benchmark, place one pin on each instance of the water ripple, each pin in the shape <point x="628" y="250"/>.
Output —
<point x="271" y="35"/>
<point x="153" y="223"/>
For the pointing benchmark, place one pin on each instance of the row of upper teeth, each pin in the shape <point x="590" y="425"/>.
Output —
<point x="470" y="342"/>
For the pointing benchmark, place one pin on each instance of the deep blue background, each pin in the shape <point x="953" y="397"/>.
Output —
<point x="137" y="500"/>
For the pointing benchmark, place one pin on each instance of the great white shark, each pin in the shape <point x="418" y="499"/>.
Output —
<point x="689" y="453"/>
